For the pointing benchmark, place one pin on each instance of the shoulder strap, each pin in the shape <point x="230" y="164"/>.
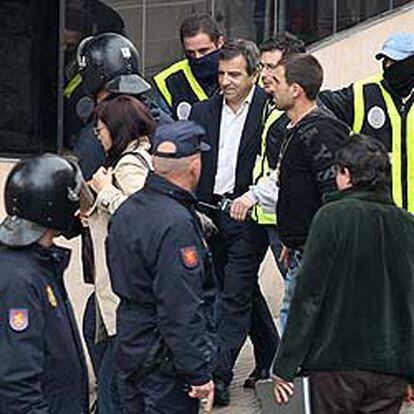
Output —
<point x="136" y="155"/>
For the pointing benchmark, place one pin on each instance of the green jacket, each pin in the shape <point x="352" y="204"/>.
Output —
<point x="353" y="308"/>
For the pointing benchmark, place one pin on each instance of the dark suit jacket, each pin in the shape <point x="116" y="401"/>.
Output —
<point x="208" y="114"/>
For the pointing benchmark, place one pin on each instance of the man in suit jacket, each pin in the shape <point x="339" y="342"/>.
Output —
<point x="233" y="122"/>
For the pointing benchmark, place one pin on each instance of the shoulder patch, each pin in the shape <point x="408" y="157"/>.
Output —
<point x="51" y="296"/>
<point x="19" y="319"/>
<point x="189" y="256"/>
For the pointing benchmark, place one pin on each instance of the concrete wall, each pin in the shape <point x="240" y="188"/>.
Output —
<point x="349" y="55"/>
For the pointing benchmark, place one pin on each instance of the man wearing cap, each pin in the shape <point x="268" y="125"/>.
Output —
<point x="160" y="268"/>
<point x="382" y="107"/>
<point x="42" y="368"/>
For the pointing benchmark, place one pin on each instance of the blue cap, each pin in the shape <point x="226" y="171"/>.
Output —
<point x="186" y="136"/>
<point x="397" y="47"/>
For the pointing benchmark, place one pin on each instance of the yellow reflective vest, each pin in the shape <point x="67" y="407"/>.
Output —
<point x="261" y="170"/>
<point x="179" y="88"/>
<point x="376" y="114"/>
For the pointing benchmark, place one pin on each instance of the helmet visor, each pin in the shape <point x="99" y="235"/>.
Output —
<point x="16" y="231"/>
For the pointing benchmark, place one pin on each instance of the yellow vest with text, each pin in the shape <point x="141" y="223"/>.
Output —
<point x="370" y="98"/>
<point x="261" y="169"/>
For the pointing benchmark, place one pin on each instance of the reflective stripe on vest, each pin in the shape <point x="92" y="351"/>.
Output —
<point x="261" y="169"/>
<point x="410" y="159"/>
<point x="396" y="142"/>
<point x="72" y="85"/>
<point x="161" y="81"/>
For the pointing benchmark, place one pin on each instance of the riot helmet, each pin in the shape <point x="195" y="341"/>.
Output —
<point x="110" y="61"/>
<point x="41" y="193"/>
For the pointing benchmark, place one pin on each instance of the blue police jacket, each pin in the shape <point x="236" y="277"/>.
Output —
<point x="160" y="268"/>
<point x="42" y="368"/>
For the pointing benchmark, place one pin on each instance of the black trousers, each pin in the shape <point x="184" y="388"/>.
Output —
<point x="156" y="393"/>
<point x="356" y="392"/>
<point x="237" y="254"/>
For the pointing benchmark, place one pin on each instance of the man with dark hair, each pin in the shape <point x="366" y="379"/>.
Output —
<point x="233" y="124"/>
<point x="305" y="169"/>
<point x="194" y="78"/>
<point x="381" y="106"/>
<point x="259" y="202"/>
<point x="350" y="328"/>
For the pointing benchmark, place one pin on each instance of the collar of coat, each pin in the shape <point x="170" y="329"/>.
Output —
<point x="363" y="194"/>
<point x="161" y="185"/>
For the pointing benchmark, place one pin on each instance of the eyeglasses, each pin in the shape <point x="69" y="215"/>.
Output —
<point x="97" y="130"/>
<point x="268" y="66"/>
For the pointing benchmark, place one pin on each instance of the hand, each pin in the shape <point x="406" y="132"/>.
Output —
<point x="101" y="179"/>
<point x="204" y="392"/>
<point x="240" y="208"/>
<point x="283" y="390"/>
<point x="284" y="256"/>
<point x="409" y="394"/>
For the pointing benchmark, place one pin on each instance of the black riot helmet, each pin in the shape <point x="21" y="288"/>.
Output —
<point x="110" y="61"/>
<point x="41" y="193"/>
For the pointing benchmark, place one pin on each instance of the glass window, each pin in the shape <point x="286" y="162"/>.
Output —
<point x="28" y="76"/>
<point x="311" y="20"/>
<point x="397" y="3"/>
<point x="352" y="12"/>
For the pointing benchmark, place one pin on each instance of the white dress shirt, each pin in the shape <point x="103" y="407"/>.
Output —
<point x="231" y="130"/>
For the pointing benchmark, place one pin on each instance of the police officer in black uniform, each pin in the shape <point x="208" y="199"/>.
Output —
<point x="108" y="65"/>
<point x="160" y="268"/>
<point x="42" y="368"/>
<point x="382" y="107"/>
<point x="194" y="78"/>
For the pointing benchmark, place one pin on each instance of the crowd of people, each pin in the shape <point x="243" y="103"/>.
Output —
<point x="177" y="189"/>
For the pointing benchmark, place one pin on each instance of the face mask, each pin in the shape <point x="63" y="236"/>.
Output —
<point x="205" y="67"/>
<point x="400" y="76"/>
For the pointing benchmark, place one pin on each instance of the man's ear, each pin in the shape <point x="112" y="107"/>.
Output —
<point x="297" y="90"/>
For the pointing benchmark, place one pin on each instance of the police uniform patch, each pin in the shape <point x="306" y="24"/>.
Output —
<point x="189" y="256"/>
<point x="51" y="296"/>
<point x="19" y="319"/>
<point x="183" y="110"/>
<point x="376" y="117"/>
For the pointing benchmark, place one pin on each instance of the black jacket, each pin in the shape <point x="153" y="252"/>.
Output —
<point x="208" y="114"/>
<point x="307" y="171"/>
<point x="157" y="261"/>
<point x="353" y="306"/>
<point x="42" y="369"/>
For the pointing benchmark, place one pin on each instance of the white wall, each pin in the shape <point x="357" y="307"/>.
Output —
<point x="350" y="55"/>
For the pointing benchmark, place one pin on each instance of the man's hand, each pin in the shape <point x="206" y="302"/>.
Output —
<point x="283" y="390"/>
<point x="240" y="208"/>
<point x="205" y="393"/>
<point x="101" y="179"/>
<point x="284" y="256"/>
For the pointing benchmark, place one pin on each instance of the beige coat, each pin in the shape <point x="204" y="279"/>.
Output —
<point x="129" y="176"/>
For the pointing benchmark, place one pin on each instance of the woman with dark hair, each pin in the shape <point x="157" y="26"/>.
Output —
<point x="124" y="128"/>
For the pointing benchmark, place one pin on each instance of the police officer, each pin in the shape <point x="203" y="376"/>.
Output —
<point x="382" y="107"/>
<point x="108" y="64"/>
<point x="194" y="78"/>
<point x="42" y="367"/>
<point x="159" y="266"/>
